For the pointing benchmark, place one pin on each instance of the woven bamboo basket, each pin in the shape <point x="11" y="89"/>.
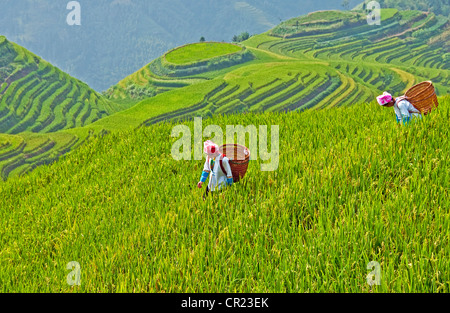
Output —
<point x="423" y="97"/>
<point x="239" y="158"/>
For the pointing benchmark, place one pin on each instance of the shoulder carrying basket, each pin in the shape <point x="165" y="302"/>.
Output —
<point x="423" y="97"/>
<point x="239" y="157"/>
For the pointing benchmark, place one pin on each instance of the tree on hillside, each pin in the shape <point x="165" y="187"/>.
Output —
<point x="202" y="39"/>
<point x="245" y="36"/>
<point x="242" y="37"/>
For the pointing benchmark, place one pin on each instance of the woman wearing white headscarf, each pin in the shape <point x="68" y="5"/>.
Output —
<point x="218" y="166"/>
<point x="404" y="110"/>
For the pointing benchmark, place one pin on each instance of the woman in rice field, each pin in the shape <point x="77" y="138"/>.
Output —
<point x="404" y="110"/>
<point x="218" y="166"/>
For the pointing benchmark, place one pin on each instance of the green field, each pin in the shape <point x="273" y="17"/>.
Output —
<point x="200" y="51"/>
<point x="352" y="187"/>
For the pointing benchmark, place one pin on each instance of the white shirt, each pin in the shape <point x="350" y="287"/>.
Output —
<point x="403" y="108"/>
<point x="217" y="178"/>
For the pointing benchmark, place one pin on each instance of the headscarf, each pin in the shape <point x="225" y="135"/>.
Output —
<point x="211" y="149"/>
<point x="384" y="99"/>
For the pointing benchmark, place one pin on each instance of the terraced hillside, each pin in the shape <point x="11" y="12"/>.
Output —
<point x="180" y="67"/>
<point x="37" y="97"/>
<point x="322" y="60"/>
<point x="22" y="153"/>
<point x="37" y="103"/>
<point x="414" y="44"/>
<point x="272" y="87"/>
<point x="408" y="47"/>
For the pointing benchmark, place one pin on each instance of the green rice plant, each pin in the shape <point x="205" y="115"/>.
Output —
<point x="10" y="144"/>
<point x="351" y="187"/>
<point x="268" y="90"/>
<point x="229" y="107"/>
<point x="23" y="103"/>
<point x="9" y="95"/>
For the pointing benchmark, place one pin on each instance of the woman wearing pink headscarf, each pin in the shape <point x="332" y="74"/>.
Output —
<point x="218" y="166"/>
<point x="403" y="109"/>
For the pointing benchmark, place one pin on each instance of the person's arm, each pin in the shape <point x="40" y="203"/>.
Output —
<point x="205" y="173"/>
<point x="404" y="110"/>
<point x="398" y="114"/>
<point x="226" y="165"/>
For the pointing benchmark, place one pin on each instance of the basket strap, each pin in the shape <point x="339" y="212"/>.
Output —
<point x="211" y="164"/>
<point x="223" y="168"/>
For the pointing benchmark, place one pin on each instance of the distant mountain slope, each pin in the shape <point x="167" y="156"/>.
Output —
<point x="37" y="97"/>
<point x="118" y="37"/>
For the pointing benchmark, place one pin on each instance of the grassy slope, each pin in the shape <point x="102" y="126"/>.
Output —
<point x="200" y="51"/>
<point x="351" y="187"/>
<point x="183" y="66"/>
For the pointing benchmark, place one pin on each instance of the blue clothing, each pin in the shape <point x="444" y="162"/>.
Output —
<point x="204" y="176"/>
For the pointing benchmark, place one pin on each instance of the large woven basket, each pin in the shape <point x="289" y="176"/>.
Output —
<point x="423" y="97"/>
<point x="239" y="158"/>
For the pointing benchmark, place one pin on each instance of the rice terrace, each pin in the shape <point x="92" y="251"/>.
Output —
<point x="89" y="176"/>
